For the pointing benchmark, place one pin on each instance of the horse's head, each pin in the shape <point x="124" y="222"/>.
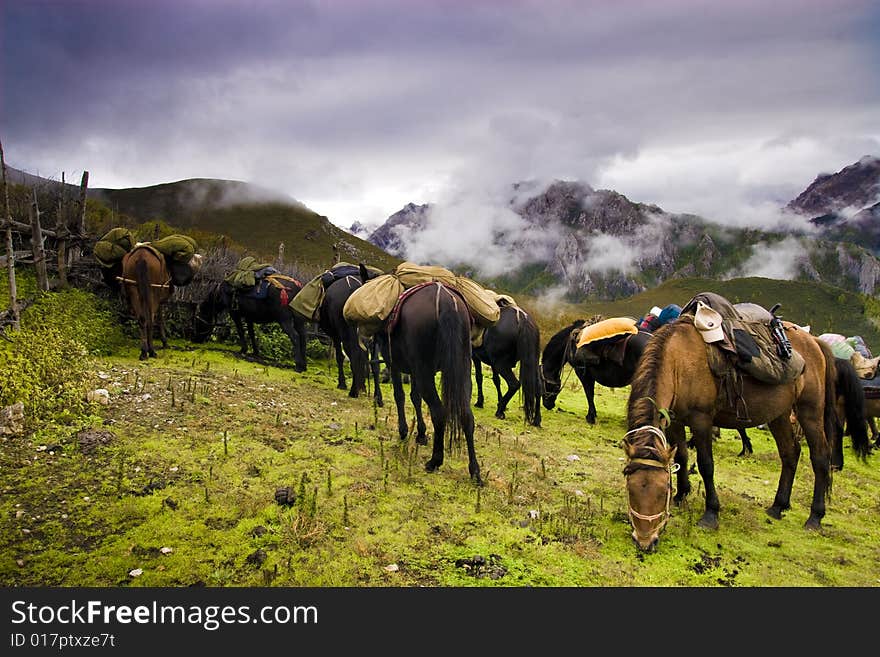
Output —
<point x="554" y="357"/>
<point x="648" y="473"/>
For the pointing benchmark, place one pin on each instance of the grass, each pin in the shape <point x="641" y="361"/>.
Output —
<point x="200" y="440"/>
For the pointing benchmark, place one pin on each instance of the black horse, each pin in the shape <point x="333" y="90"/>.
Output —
<point x="345" y="338"/>
<point x="430" y="332"/>
<point x="243" y="306"/>
<point x="514" y="338"/>
<point x="609" y="371"/>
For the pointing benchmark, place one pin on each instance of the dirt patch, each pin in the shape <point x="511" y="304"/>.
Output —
<point x="90" y="441"/>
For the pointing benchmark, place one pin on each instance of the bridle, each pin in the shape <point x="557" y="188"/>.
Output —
<point x="670" y="466"/>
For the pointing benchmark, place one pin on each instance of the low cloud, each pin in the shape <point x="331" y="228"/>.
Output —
<point x="781" y="260"/>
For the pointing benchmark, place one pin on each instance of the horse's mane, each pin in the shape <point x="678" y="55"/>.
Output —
<point x="641" y="409"/>
<point x="554" y="352"/>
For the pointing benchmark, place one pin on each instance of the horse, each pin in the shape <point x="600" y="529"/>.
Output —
<point x="244" y="307"/>
<point x="345" y="337"/>
<point x="674" y="387"/>
<point x="871" y="390"/>
<point x="428" y="332"/>
<point x="147" y="286"/>
<point x="561" y="349"/>
<point x="514" y="338"/>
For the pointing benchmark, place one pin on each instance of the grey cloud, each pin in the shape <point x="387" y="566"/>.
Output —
<point x="697" y="106"/>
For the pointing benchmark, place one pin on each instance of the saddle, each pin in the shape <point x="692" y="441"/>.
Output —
<point x="261" y="289"/>
<point x="394" y="316"/>
<point x="744" y="343"/>
<point x="605" y="339"/>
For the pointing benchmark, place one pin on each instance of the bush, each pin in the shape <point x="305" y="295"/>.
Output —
<point x="47" y="360"/>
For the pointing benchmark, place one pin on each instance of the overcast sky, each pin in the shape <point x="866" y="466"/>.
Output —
<point x="722" y="108"/>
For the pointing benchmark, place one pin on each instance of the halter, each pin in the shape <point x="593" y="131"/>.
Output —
<point x="653" y="463"/>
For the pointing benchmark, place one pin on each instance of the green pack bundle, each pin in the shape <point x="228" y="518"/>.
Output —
<point x="110" y="249"/>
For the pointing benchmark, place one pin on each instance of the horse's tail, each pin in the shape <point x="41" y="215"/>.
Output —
<point x="528" y="347"/>
<point x="142" y="276"/>
<point x="454" y="340"/>
<point x="849" y="388"/>
<point x="831" y="422"/>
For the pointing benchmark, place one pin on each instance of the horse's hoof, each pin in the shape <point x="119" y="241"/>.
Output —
<point x="708" y="521"/>
<point x="591" y="419"/>
<point x="431" y="466"/>
<point x="143" y="356"/>
<point x="341" y="386"/>
<point x="380" y="403"/>
<point x="422" y="440"/>
<point x="775" y="512"/>
<point x="813" y="523"/>
<point x="153" y="354"/>
<point x="500" y="415"/>
<point x="353" y="394"/>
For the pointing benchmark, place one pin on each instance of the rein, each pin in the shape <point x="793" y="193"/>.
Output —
<point x="671" y="466"/>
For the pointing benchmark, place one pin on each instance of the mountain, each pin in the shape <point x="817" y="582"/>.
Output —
<point x="598" y="244"/>
<point x="854" y="187"/>
<point x="845" y="205"/>
<point x="253" y="217"/>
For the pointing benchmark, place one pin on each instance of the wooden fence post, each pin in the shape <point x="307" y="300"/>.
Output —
<point x="10" y="250"/>
<point x="37" y="246"/>
<point x="61" y="233"/>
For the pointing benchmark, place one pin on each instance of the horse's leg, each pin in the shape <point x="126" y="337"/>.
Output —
<point x="340" y="363"/>
<point x="820" y="458"/>
<point x="589" y="389"/>
<point x="239" y="327"/>
<point x="701" y="432"/>
<point x="675" y="435"/>
<point x="789" y="453"/>
<point x="467" y="425"/>
<point x="746" y="443"/>
<point x="299" y="347"/>
<point x="416" y="397"/>
<point x="513" y="386"/>
<point x="144" y="330"/>
<point x="400" y="401"/>
<point x="478" y="377"/>
<point x="373" y="355"/>
<point x="253" y="337"/>
<point x="438" y="417"/>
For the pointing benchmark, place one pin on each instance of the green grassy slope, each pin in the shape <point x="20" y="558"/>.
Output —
<point x="825" y="308"/>
<point x="249" y="216"/>
<point x="199" y="441"/>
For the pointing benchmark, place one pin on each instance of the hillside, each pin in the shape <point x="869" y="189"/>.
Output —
<point x="175" y="483"/>
<point x="254" y="217"/>
<point x="600" y="245"/>
<point x="826" y="309"/>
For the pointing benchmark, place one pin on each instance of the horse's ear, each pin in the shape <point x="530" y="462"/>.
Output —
<point x="365" y="275"/>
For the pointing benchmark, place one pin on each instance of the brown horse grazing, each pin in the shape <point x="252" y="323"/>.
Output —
<point x="147" y="285"/>
<point x="430" y="332"/>
<point x="674" y="388"/>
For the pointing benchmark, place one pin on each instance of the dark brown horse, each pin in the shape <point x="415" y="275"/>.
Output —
<point x="562" y="349"/>
<point x="147" y="286"/>
<point x="514" y="338"/>
<point x="674" y="388"/>
<point x="430" y="332"/>
<point x="345" y="338"/>
<point x="247" y="307"/>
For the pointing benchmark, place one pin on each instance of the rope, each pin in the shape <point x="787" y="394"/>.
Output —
<point x="670" y="466"/>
